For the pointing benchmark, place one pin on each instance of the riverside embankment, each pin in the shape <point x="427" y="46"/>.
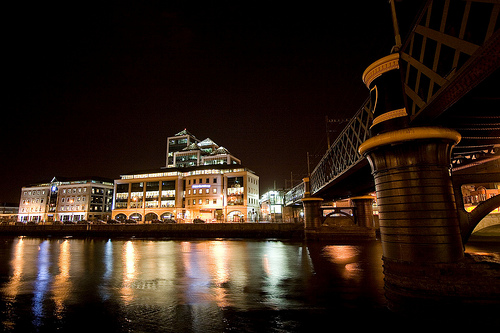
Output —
<point x="182" y="230"/>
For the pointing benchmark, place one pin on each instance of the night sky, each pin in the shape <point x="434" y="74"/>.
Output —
<point x="95" y="88"/>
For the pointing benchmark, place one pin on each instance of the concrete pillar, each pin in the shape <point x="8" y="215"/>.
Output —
<point x="313" y="216"/>
<point x="364" y="210"/>
<point x="417" y="211"/>
<point x="312" y="213"/>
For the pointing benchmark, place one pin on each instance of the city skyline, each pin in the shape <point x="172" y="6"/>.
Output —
<point x="97" y="90"/>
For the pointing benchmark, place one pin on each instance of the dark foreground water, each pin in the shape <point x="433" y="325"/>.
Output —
<point x="76" y="285"/>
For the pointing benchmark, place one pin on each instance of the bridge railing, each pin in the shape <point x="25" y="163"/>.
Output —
<point x="295" y="194"/>
<point x="448" y="39"/>
<point x="343" y="153"/>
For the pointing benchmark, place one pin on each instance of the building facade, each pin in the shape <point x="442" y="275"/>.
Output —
<point x="64" y="199"/>
<point x="474" y="194"/>
<point x="201" y="181"/>
<point x="185" y="150"/>
<point x="8" y="212"/>
<point x="271" y="205"/>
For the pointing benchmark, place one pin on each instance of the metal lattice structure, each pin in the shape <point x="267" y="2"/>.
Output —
<point x="453" y="46"/>
<point x="343" y="153"/>
<point x="448" y="64"/>
<point x="295" y="194"/>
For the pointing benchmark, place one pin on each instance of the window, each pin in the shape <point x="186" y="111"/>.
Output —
<point x="208" y="181"/>
<point x="215" y="180"/>
<point x="207" y="191"/>
<point x="194" y="181"/>
<point x="200" y="202"/>
<point x="214" y="201"/>
<point x="215" y="191"/>
<point x="208" y="201"/>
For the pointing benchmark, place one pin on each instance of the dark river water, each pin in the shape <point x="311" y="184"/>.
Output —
<point x="75" y="285"/>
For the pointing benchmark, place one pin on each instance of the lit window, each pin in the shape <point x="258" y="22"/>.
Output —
<point x="200" y="202"/>
<point x="208" y="201"/>
<point x="215" y="201"/>
<point x="207" y="190"/>
<point x="215" y="190"/>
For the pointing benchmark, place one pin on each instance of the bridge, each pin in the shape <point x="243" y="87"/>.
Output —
<point x="431" y="118"/>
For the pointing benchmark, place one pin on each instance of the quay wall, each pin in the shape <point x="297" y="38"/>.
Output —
<point x="207" y="230"/>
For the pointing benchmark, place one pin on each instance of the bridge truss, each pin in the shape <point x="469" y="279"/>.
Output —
<point x="449" y="69"/>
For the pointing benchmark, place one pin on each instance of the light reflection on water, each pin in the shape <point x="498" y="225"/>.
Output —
<point x="194" y="286"/>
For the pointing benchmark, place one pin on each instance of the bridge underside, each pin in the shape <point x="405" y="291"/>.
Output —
<point x="358" y="180"/>
<point x="477" y="119"/>
<point x="475" y="116"/>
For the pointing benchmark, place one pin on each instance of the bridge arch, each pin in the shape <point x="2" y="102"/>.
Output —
<point x="490" y="220"/>
<point x="338" y="217"/>
<point x="473" y="221"/>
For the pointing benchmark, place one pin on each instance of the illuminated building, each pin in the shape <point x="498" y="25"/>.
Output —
<point x="473" y="195"/>
<point x="8" y="212"/>
<point x="185" y="150"/>
<point x="271" y="205"/>
<point x="64" y="199"/>
<point x="201" y="180"/>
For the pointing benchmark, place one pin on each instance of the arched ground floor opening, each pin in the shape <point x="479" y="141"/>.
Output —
<point x="151" y="217"/>
<point x="235" y="216"/>
<point x="120" y="217"/>
<point x="136" y="217"/>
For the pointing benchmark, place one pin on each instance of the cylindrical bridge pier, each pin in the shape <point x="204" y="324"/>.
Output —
<point x="417" y="212"/>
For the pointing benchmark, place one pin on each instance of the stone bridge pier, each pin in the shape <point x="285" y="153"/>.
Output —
<point x="359" y="227"/>
<point x="417" y="212"/>
<point x="420" y="230"/>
